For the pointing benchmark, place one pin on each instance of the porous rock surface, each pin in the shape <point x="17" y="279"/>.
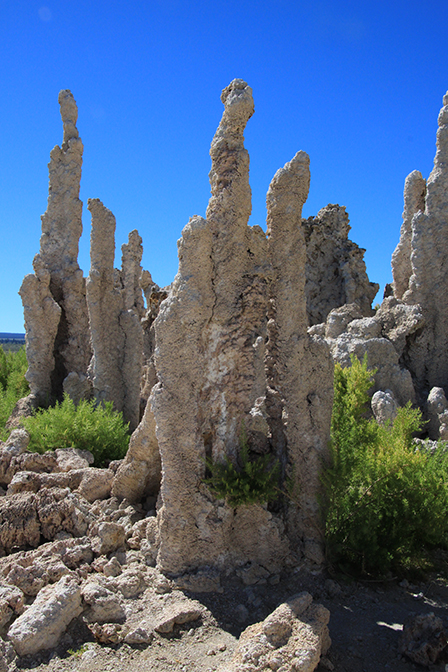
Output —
<point x="335" y="269"/>
<point x="115" y="306"/>
<point x="210" y="359"/>
<point x="54" y="299"/>
<point x="383" y="338"/>
<point x="291" y="639"/>
<point x="420" y="266"/>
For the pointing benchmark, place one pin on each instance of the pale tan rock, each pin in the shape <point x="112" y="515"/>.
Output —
<point x="77" y="386"/>
<point x="437" y="406"/>
<point x="42" y="624"/>
<point x="31" y="570"/>
<point x="414" y="202"/>
<point x="11" y="603"/>
<point x="335" y="268"/>
<point x="61" y="230"/>
<point x="104" y="604"/>
<point x="42" y="315"/>
<point x="384" y="406"/>
<point x="115" y="306"/>
<point x="140" y="472"/>
<point x="209" y="356"/>
<point x="108" y="633"/>
<point x="423" y="260"/>
<point x="300" y="368"/>
<point x="107" y="537"/>
<point x="73" y="458"/>
<point x="95" y="484"/>
<point x="291" y="639"/>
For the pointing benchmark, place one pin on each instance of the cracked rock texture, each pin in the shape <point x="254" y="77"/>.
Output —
<point x="115" y="306"/>
<point x="59" y="285"/>
<point x="300" y="368"/>
<point x="291" y="639"/>
<point x="420" y="267"/>
<point x="335" y="268"/>
<point x="209" y="357"/>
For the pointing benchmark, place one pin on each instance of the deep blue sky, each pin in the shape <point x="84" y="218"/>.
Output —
<point x="357" y="85"/>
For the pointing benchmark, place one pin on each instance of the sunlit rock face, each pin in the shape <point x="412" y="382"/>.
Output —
<point x="335" y="269"/>
<point x="216" y="376"/>
<point x="420" y="266"/>
<point x="56" y="267"/>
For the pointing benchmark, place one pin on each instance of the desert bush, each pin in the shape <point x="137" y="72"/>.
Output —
<point x="99" y="429"/>
<point x="13" y="385"/>
<point x="253" y="481"/>
<point x="385" y="498"/>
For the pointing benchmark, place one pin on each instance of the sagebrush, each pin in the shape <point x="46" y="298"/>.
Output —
<point x="13" y="385"/>
<point x="99" y="429"/>
<point x="386" y="499"/>
<point x="253" y="481"/>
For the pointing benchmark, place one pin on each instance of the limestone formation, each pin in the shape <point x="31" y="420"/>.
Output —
<point x="420" y="267"/>
<point x="42" y="315"/>
<point x="300" y="367"/>
<point x="335" y="268"/>
<point x="291" y="639"/>
<point x="61" y="230"/>
<point x="384" y="406"/>
<point x="115" y="306"/>
<point x="383" y="338"/>
<point x="414" y="202"/>
<point x="210" y="335"/>
<point x="139" y="474"/>
<point x="47" y="618"/>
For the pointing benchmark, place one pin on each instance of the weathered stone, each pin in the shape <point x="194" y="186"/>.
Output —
<point x="424" y="639"/>
<point x="107" y="537"/>
<point x="17" y="442"/>
<point x="77" y="386"/>
<point x="437" y="407"/>
<point x="420" y="267"/>
<point x="11" y="603"/>
<point x="291" y="639"/>
<point x="210" y="334"/>
<point x="414" y="202"/>
<point x="115" y="306"/>
<point x="384" y="406"/>
<point x="139" y="474"/>
<point x="42" y="624"/>
<point x="104" y="604"/>
<point x="96" y="484"/>
<point x="42" y="315"/>
<point x="57" y="325"/>
<point x="300" y="368"/>
<point x="73" y="458"/>
<point x="23" y="409"/>
<point x="335" y="268"/>
<point x="31" y="570"/>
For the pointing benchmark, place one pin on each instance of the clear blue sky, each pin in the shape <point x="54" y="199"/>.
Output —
<point x="357" y="85"/>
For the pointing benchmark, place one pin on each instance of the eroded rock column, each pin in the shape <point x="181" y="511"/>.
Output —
<point x="210" y="336"/>
<point x="425" y="262"/>
<point x="300" y="366"/>
<point x="61" y="230"/>
<point x="114" y="302"/>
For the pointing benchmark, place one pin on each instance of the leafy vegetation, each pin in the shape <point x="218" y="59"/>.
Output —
<point x="99" y="429"/>
<point x="13" y="385"/>
<point x="386" y="499"/>
<point x="254" y="481"/>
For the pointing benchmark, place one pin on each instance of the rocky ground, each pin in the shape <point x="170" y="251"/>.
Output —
<point x="365" y="627"/>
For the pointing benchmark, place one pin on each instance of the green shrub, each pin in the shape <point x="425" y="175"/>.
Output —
<point x="98" y="429"/>
<point x="386" y="499"/>
<point x="255" y="481"/>
<point x="13" y="385"/>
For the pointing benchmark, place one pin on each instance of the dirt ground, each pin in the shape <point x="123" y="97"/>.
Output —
<point x="365" y="628"/>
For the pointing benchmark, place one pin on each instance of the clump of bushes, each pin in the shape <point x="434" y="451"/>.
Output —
<point x="252" y="481"/>
<point x="13" y="385"/>
<point x="99" y="429"/>
<point x="386" y="500"/>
